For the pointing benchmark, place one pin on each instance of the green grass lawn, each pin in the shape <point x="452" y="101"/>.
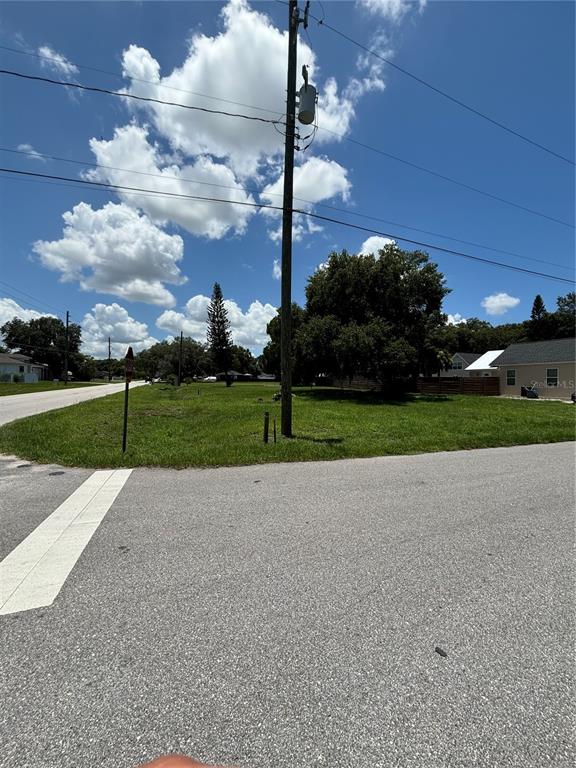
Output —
<point x="211" y="425"/>
<point x="43" y="386"/>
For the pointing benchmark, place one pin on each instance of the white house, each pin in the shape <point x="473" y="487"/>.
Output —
<point x="458" y="364"/>
<point x="15" y="367"/>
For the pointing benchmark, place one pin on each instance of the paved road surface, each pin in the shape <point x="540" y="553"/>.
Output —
<point x="14" y="407"/>
<point x="288" y="615"/>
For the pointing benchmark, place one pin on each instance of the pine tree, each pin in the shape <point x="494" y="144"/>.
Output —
<point x="539" y="323"/>
<point x="538" y="309"/>
<point x="219" y="337"/>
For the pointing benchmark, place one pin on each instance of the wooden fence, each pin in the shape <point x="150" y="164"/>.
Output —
<point x="459" y="385"/>
<point x="358" y="382"/>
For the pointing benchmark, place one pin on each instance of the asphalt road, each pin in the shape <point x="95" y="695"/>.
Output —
<point x="14" y="407"/>
<point x="287" y="616"/>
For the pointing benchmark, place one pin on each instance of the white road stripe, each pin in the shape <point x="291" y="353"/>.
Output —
<point x="32" y="574"/>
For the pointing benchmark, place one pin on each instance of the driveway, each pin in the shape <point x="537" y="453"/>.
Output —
<point x="14" y="407"/>
<point x="373" y="613"/>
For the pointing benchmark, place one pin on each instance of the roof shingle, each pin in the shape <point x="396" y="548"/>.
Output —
<point x="553" y="351"/>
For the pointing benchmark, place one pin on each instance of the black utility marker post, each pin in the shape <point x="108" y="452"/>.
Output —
<point x="129" y="368"/>
<point x="266" y="425"/>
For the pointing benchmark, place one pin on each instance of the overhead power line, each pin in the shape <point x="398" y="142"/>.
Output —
<point x="440" y="92"/>
<point x="461" y="184"/>
<point x="142" y="80"/>
<point x="61" y="349"/>
<point x="376" y="150"/>
<point x="152" y="194"/>
<point x="7" y="294"/>
<point x="439" y="248"/>
<point x="108" y="92"/>
<point x="108" y="185"/>
<point x="28" y="295"/>
<point x="84" y="182"/>
<point x="253" y="190"/>
<point x="48" y="182"/>
<point x="36" y="346"/>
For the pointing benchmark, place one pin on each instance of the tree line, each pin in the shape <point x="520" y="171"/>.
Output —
<point x="44" y="339"/>
<point x="375" y="316"/>
<point x="380" y="317"/>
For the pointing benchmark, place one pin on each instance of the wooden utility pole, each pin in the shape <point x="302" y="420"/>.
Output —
<point x="109" y="360"/>
<point x="66" y="349"/>
<point x="286" y="290"/>
<point x="180" y="358"/>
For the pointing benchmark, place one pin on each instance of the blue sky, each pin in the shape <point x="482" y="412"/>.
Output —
<point x="142" y="268"/>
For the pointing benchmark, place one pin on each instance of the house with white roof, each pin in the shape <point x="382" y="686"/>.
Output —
<point x="483" y="365"/>
<point x="549" y="367"/>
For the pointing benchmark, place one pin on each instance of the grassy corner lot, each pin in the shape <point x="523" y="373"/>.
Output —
<point x="43" y="386"/>
<point x="211" y="425"/>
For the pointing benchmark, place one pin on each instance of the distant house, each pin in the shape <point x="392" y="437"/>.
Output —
<point x="549" y="366"/>
<point x="460" y="361"/>
<point x="234" y="376"/>
<point x="16" y="367"/>
<point x="483" y="365"/>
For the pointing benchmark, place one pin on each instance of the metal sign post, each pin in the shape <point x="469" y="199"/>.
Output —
<point x="129" y="371"/>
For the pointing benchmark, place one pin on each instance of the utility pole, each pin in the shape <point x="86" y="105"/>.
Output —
<point x="306" y="116"/>
<point x="109" y="360"/>
<point x="286" y="289"/>
<point x="180" y="358"/>
<point x="66" y="350"/>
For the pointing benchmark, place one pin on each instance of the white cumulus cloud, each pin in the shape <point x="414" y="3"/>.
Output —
<point x="56" y="62"/>
<point x="392" y="10"/>
<point x="315" y="180"/>
<point x="143" y="165"/>
<point x="336" y="109"/>
<point x="32" y="153"/>
<point x="373" y="244"/>
<point x="9" y="309"/>
<point x="192" y="321"/>
<point x="248" y="328"/>
<point x="499" y="303"/>
<point x="276" y="270"/>
<point x="456" y="319"/>
<point x="112" y="321"/>
<point x="244" y="63"/>
<point x="115" y="250"/>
